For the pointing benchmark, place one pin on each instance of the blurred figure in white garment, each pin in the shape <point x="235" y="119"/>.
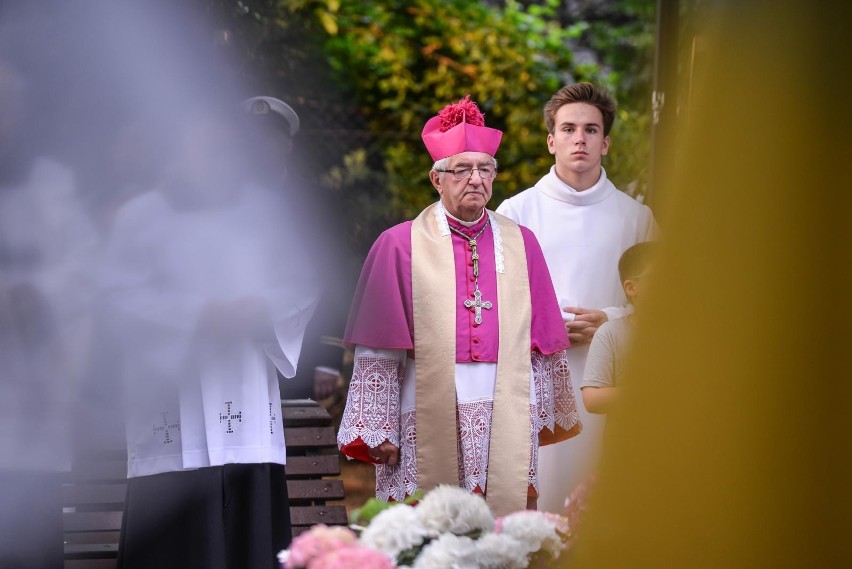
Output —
<point x="211" y="291"/>
<point x="46" y="246"/>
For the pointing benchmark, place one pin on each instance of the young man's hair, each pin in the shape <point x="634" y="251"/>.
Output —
<point x="580" y="93"/>
<point x="635" y="260"/>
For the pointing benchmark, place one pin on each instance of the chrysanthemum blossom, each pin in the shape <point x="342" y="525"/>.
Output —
<point x="394" y="530"/>
<point x="448" y="551"/>
<point x="500" y="551"/>
<point x="352" y="557"/>
<point x="319" y="540"/>
<point x="450" y="509"/>
<point x="532" y="529"/>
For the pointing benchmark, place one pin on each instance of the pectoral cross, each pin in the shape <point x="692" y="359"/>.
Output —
<point x="478" y="304"/>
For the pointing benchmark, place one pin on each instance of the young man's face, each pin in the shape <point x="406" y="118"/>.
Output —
<point x="578" y="142"/>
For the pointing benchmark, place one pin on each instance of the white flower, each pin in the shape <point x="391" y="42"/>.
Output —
<point x="500" y="551"/>
<point x="533" y="530"/>
<point x="450" y="509"/>
<point x="394" y="530"/>
<point x="448" y="552"/>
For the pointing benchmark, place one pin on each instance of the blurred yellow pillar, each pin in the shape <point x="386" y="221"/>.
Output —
<point x="732" y="445"/>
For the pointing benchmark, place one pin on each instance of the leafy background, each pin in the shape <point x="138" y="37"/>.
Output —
<point x="365" y="76"/>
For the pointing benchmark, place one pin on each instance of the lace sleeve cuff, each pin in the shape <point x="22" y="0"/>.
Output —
<point x="557" y="417"/>
<point x="372" y="413"/>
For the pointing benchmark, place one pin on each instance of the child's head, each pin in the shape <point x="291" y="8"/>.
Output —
<point x="633" y="266"/>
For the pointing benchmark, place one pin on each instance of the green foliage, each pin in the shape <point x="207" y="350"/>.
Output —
<point x="621" y="33"/>
<point x="394" y="64"/>
<point x="404" y="60"/>
<point x="373" y="507"/>
<point x="628" y="161"/>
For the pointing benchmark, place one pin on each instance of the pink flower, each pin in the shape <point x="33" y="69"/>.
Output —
<point x="320" y="540"/>
<point x="353" y="557"/>
<point x="561" y="522"/>
<point x="577" y="504"/>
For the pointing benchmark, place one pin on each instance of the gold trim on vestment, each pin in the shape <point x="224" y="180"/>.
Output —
<point x="509" y="455"/>
<point x="434" y="308"/>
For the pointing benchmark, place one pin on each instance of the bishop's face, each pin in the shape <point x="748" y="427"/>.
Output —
<point x="465" y="198"/>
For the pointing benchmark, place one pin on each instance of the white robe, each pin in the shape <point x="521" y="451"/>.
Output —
<point x="47" y="245"/>
<point x="193" y="404"/>
<point x="582" y="235"/>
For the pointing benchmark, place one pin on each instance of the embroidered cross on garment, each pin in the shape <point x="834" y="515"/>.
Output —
<point x="230" y="416"/>
<point x="166" y="428"/>
<point x="272" y="418"/>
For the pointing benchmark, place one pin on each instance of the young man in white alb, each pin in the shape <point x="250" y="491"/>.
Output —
<point x="584" y="224"/>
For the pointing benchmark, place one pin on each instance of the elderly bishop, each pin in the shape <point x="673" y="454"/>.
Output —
<point x="460" y="371"/>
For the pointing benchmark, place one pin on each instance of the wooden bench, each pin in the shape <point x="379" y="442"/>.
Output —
<point x="312" y="455"/>
<point x="93" y="494"/>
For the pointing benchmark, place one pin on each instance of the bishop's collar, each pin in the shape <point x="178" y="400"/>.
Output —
<point x="468" y="227"/>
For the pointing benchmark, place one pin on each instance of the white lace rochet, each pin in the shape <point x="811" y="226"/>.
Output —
<point x="373" y="413"/>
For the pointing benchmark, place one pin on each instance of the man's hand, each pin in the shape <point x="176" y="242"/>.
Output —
<point x="386" y="453"/>
<point x="586" y="322"/>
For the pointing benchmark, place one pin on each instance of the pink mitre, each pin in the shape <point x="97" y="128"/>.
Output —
<point x="459" y="127"/>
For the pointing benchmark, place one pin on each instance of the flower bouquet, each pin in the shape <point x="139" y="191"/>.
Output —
<point x="448" y="528"/>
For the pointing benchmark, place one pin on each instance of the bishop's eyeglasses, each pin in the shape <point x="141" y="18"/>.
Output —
<point x="485" y="172"/>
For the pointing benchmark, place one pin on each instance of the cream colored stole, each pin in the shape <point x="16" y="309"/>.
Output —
<point x="434" y="305"/>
